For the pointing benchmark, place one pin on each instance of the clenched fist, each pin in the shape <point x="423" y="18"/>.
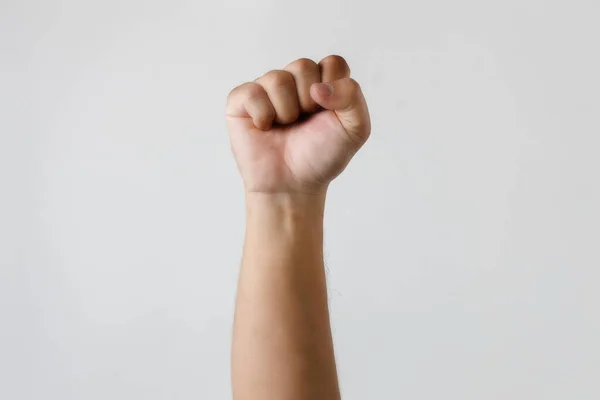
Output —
<point x="294" y="130"/>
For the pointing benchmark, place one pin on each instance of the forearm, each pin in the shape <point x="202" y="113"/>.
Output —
<point x="282" y="346"/>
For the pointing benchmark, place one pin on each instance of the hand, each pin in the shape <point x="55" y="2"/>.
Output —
<point x="294" y="130"/>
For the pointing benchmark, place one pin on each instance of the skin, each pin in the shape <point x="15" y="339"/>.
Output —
<point x="292" y="132"/>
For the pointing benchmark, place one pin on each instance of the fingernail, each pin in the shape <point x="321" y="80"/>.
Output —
<point x="325" y="89"/>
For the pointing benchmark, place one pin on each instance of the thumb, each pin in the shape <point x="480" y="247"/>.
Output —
<point x="345" y="97"/>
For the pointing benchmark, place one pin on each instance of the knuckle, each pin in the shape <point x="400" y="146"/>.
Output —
<point x="349" y="86"/>
<point x="278" y="78"/>
<point x="354" y="85"/>
<point x="335" y="60"/>
<point x="254" y="91"/>
<point x="269" y="113"/>
<point x="303" y="65"/>
<point x="247" y="89"/>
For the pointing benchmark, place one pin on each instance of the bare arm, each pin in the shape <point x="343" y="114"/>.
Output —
<point x="282" y="345"/>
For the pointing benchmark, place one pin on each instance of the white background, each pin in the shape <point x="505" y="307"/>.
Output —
<point x="462" y="243"/>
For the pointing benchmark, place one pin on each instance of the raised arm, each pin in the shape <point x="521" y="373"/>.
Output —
<point x="292" y="131"/>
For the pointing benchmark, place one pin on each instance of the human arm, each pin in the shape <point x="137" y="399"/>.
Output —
<point x="282" y="345"/>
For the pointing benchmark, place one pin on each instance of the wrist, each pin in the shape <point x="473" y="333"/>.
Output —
<point x="285" y="209"/>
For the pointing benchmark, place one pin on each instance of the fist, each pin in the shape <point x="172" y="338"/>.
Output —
<point x="294" y="130"/>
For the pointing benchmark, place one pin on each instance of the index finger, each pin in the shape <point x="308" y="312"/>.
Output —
<point x="250" y="100"/>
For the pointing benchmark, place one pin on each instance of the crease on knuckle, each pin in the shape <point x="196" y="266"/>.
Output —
<point x="279" y="79"/>
<point x="254" y="91"/>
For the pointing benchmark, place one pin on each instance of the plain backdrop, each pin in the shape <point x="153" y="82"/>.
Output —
<point x="462" y="243"/>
